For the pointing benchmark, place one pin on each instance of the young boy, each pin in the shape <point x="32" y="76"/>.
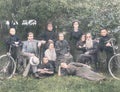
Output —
<point x="104" y="45"/>
<point x="46" y="68"/>
<point x="13" y="41"/>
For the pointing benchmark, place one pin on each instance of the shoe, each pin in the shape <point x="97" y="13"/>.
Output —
<point x="36" y="75"/>
<point x="42" y="77"/>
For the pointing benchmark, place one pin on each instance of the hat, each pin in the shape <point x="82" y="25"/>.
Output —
<point x="34" y="60"/>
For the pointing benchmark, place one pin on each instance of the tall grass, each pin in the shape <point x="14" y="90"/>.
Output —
<point x="58" y="84"/>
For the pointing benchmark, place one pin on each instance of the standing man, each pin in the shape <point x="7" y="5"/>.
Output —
<point x="104" y="45"/>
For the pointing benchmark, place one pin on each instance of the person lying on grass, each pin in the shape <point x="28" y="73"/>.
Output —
<point x="80" y="70"/>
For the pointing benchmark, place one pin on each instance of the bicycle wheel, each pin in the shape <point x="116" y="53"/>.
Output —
<point x="7" y="67"/>
<point x="114" y="66"/>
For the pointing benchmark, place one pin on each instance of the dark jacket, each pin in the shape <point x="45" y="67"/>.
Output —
<point x="62" y="47"/>
<point x="48" y="66"/>
<point x="11" y="40"/>
<point x="102" y="44"/>
<point x="107" y="49"/>
<point x="49" y="35"/>
<point x="75" y="36"/>
<point x="92" y="54"/>
<point x="82" y="49"/>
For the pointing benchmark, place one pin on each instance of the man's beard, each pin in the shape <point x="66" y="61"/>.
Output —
<point x="89" y="43"/>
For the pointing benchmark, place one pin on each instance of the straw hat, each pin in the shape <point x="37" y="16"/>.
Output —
<point x="34" y="60"/>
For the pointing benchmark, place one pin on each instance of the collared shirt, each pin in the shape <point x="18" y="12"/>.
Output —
<point x="30" y="46"/>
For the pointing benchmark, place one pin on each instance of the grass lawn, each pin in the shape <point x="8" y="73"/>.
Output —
<point x="58" y="84"/>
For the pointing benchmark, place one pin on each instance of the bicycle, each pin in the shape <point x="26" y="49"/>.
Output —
<point x="114" y="62"/>
<point x="8" y="65"/>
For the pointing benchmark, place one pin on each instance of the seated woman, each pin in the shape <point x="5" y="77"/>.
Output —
<point x="50" y="53"/>
<point x="63" y="49"/>
<point x="80" y="70"/>
<point x="80" y="47"/>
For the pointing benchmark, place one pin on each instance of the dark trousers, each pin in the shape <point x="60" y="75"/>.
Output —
<point x="88" y="59"/>
<point x="84" y="58"/>
<point x="109" y="54"/>
<point x="53" y="64"/>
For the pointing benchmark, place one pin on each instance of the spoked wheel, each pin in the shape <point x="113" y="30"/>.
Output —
<point x="7" y="67"/>
<point x="114" y="66"/>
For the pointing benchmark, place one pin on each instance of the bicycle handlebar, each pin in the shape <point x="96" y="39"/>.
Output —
<point x="111" y="40"/>
<point x="17" y="44"/>
<point x="14" y="45"/>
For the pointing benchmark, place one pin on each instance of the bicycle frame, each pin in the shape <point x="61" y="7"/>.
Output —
<point x="7" y="61"/>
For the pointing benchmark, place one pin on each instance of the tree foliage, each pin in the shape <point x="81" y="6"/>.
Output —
<point x="92" y="14"/>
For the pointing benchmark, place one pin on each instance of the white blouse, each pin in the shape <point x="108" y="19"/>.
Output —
<point x="50" y="54"/>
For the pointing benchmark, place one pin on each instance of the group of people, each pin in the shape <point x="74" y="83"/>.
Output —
<point x="72" y="57"/>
